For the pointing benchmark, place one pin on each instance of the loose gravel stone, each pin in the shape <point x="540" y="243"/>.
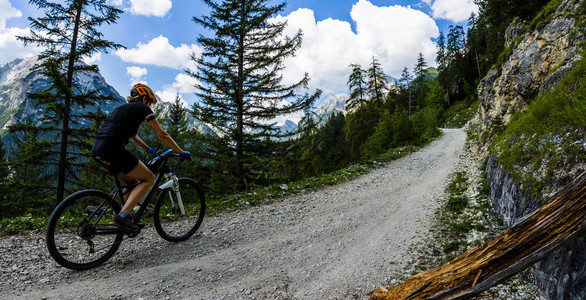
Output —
<point x="339" y="242"/>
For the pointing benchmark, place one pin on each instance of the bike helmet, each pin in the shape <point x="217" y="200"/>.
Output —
<point x="140" y="89"/>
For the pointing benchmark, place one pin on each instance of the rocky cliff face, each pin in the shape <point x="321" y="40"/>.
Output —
<point x="541" y="54"/>
<point x="561" y="274"/>
<point x="539" y="58"/>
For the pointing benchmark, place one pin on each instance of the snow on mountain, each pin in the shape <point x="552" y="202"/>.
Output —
<point x="17" y="80"/>
<point x="333" y="103"/>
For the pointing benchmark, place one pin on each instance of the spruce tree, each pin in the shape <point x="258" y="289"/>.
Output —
<point x="442" y="64"/>
<point x="377" y="81"/>
<point x="177" y="122"/>
<point x="420" y="82"/>
<point x="69" y="33"/>
<point x="357" y="86"/>
<point x="241" y="91"/>
<point x="406" y="82"/>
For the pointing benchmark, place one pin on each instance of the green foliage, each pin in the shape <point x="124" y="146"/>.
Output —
<point x="548" y="136"/>
<point x="425" y="123"/>
<point x="177" y="120"/>
<point x="456" y="204"/>
<point x="359" y="126"/>
<point x="25" y="222"/>
<point x="327" y="150"/>
<point x="68" y="34"/>
<point x="460" y="113"/>
<point x="357" y="88"/>
<point x="376" y="87"/>
<point x="242" y="91"/>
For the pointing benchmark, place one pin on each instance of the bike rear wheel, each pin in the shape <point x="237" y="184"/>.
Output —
<point x="170" y="222"/>
<point x="80" y="234"/>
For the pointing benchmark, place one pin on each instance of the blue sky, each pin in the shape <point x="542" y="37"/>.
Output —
<point x="160" y="35"/>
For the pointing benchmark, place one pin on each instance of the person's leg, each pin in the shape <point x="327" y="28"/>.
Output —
<point x="147" y="179"/>
<point x="126" y="180"/>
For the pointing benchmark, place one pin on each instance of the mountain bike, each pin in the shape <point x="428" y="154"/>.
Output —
<point x="81" y="235"/>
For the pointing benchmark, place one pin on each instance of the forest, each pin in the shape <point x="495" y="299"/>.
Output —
<point x="241" y="92"/>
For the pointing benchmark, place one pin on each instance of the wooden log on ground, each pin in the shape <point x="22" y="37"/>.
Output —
<point x="513" y="250"/>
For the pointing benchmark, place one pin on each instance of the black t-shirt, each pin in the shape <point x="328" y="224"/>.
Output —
<point x="123" y="122"/>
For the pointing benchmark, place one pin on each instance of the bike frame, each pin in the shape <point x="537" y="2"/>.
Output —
<point x="163" y="172"/>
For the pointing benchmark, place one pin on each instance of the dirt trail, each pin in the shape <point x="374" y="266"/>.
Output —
<point x="339" y="243"/>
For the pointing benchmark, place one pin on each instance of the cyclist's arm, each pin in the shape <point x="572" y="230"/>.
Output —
<point x="140" y="143"/>
<point x="164" y="136"/>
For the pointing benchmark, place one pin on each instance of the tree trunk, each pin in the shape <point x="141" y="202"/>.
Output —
<point x="67" y="107"/>
<point x="518" y="247"/>
<point x="240" y="102"/>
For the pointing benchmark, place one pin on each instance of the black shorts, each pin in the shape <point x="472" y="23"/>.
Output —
<point x="113" y="156"/>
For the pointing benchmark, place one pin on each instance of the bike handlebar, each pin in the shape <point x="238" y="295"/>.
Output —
<point x="168" y="153"/>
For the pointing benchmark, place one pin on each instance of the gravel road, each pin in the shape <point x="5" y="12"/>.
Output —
<point x="339" y="242"/>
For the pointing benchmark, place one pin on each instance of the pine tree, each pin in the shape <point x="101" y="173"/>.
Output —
<point x="420" y="82"/>
<point x="241" y="91"/>
<point x="28" y="179"/>
<point x="357" y="86"/>
<point x="377" y="81"/>
<point x="69" y="33"/>
<point x="177" y="122"/>
<point x="442" y="64"/>
<point x="406" y="82"/>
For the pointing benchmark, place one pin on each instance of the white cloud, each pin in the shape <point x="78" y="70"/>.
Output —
<point x="10" y="47"/>
<point x="394" y="34"/>
<point x="136" y="74"/>
<point x="184" y="84"/>
<point x="160" y="52"/>
<point x="92" y="59"/>
<point x="454" y="10"/>
<point x="7" y="12"/>
<point x="157" y="8"/>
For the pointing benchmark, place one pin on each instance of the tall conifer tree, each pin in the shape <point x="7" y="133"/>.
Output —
<point x="377" y="81"/>
<point x="407" y="87"/>
<point x="69" y="33"/>
<point x="357" y="85"/>
<point x="241" y="91"/>
<point x="420" y="82"/>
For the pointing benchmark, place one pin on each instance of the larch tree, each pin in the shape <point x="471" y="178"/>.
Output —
<point x="241" y="90"/>
<point x="68" y="33"/>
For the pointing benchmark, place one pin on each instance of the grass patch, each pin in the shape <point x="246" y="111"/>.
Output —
<point x="456" y="204"/>
<point x="460" y="113"/>
<point x="22" y="223"/>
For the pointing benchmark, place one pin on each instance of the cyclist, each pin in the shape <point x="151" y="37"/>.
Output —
<point x="109" y="148"/>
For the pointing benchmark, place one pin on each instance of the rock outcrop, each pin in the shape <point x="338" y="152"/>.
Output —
<point x="541" y="54"/>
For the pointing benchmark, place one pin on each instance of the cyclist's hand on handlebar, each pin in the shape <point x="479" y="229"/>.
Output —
<point x="153" y="151"/>
<point x="185" y="155"/>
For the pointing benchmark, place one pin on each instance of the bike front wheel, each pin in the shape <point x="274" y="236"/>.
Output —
<point x="80" y="234"/>
<point x="179" y="212"/>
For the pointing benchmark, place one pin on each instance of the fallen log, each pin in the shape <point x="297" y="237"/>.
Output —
<point x="513" y="250"/>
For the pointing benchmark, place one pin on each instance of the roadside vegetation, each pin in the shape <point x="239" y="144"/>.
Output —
<point x="380" y="120"/>
<point x="537" y="144"/>
<point x="466" y="219"/>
